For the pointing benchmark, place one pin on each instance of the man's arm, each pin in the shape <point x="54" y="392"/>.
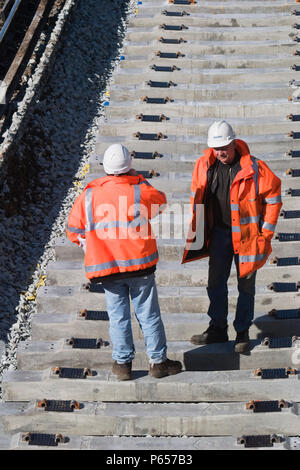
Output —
<point x="75" y="229"/>
<point x="270" y="191"/>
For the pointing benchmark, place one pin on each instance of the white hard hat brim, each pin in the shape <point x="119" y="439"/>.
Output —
<point x="223" y="143"/>
<point x="119" y="171"/>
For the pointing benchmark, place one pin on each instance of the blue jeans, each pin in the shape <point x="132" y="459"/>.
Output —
<point x="143" y="293"/>
<point x="220" y="261"/>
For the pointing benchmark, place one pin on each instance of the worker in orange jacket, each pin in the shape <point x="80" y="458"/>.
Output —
<point x="242" y="201"/>
<point x="111" y="220"/>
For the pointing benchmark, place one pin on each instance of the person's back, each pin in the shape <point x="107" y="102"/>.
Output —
<point x="111" y="220"/>
<point x="114" y="215"/>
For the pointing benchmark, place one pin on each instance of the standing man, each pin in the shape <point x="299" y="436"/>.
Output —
<point x="242" y="201"/>
<point x="111" y="218"/>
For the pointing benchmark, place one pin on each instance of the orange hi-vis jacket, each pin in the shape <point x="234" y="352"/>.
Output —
<point x="255" y="197"/>
<point x="113" y="215"/>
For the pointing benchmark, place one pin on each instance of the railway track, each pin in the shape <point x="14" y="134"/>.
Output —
<point x="192" y="63"/>
<point x="23" y="22"/>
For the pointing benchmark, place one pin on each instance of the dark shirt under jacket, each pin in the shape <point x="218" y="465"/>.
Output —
<point x="222" y="178"/>
<point x="126" y="275"/>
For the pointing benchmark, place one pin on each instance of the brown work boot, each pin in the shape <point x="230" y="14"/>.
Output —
<point x="165" y="368"/>
<point x="122" y="371"/>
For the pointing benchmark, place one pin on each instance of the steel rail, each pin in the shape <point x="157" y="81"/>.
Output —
<point x="9" y="19"/>
<point x="21" y="54"/>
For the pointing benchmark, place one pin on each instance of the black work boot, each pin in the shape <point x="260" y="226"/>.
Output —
<point x="122" y="371"/>
<point x="213" y="334"/>
<point x="242" y="342"/>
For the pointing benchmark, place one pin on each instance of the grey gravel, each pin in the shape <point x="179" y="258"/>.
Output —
<point x="50" y="157"/>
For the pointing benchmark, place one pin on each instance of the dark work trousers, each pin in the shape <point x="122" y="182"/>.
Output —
<point x="220" y="261"/>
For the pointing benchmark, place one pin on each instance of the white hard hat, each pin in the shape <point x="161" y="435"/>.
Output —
<point x="220" y="134"/>
<point x="117" y="160"/>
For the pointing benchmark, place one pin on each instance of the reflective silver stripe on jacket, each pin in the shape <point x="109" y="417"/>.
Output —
<point x="121" y="263"/>
<point x="251" y="258"/>
<point x="75" y="230"/>
<point x="89" y="210"/>
<point x="255" y="176"/>
<point x="250" y="220"/>
<point x="268" y="226"/>
<point x="272" y="200"/>
<point x="137" y="206"/>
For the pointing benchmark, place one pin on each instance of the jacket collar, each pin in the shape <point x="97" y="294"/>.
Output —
<point x="122" y="179"/>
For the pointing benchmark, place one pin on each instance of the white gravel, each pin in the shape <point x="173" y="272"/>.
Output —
<point x="51" y="159"/>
